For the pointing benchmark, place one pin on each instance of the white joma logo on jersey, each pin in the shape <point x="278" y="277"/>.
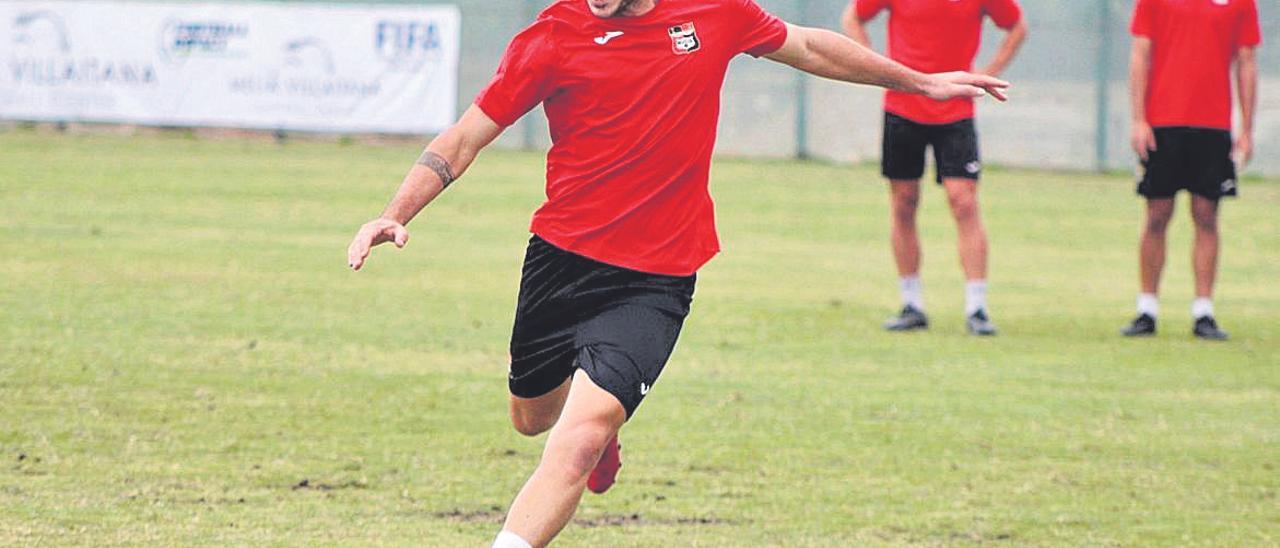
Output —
<point x="644" y="389"/>
<point x="602" y="40"/>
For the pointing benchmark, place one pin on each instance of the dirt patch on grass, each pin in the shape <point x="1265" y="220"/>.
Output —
<point x="901" y="535"/>
<point x="636" y="519"/>
<point x="706" y="521"/>
<point x="496" y="515"/>
<point x="492" y="514"/>
<point x="307" y="484"/>
<point x="609" y="520"/>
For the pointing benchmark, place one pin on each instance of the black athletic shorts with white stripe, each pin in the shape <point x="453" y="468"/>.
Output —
<point x="618" y="325"/>
<point x="1194" y="159"/>
<point x="955" y="149"/>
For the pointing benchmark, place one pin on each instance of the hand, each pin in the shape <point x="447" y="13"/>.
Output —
<point x="951" y="85"/>
<point x="1243" y="150"/>
<point x="1143" y="140"/>
<point x="375" y="232"/>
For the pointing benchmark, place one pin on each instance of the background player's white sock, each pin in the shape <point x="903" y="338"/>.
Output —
<point x="975" y="296"/>
<point x="1201" y="307"/>
<point x="1148" y="304"/>
<point x="507" y="539"/>
<point x="912" y="291"/>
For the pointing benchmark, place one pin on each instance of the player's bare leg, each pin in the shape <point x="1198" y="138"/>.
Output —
<point x="1151" y="253"/>
<point x="533" y="416"/>
<point x="962" y="195"/>
<point x="590" y="420"/>
<point x="905" y="239"/>
<point x="1204" y="261"/>
<point x="1205" y="253"/>
<point x="905" y="195"/>
<point x="1152" y="249"/>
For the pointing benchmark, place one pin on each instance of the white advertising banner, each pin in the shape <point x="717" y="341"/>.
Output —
<point x="332" y="68"/>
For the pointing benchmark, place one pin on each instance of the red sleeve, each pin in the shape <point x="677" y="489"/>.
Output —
<point x="524" y="77"/>
<point x="1142" y="17"/>
<point x="762" y="32"/>
<point x="867" y="10"/>
<point x="1004" y="13"/>
<point x="1250" y="34"/>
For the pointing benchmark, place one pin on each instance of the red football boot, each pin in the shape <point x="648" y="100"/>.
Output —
<point x="606" y="471"/>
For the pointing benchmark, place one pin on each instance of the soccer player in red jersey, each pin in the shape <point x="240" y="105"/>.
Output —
<point x="1180" y="90"/>
<point x="631" y="90"/>
<point x="936" y="36"/>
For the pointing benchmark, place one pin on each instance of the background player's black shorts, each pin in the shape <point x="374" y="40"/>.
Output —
<point x="1194" y="159"/>
<point x="616" y="324"/>
<point x="955" y="149"/>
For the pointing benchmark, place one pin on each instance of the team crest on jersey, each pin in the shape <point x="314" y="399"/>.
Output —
<point x="684" y="39"/>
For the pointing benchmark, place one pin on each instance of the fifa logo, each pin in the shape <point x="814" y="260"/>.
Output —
<point x="684" y="39"/>
<point x="400" y="40"/>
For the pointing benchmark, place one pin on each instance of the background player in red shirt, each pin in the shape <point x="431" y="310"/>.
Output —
<point x="936" y="36"/>
<point x="631" y="90"/>
<point x="1180" y="89"/>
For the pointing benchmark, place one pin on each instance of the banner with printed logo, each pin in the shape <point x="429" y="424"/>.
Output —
<point x="332" y="68"/>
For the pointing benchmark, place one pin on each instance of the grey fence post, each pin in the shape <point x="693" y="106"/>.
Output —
<point x="529" y="129"/>
<point x="802" y="92"/>
<point x="1103" y="84"/>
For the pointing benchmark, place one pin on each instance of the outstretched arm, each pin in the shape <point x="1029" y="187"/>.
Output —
<point x="829" y="55"/>
<point x="1008" y="50"/>
<point x="443" y="161"/>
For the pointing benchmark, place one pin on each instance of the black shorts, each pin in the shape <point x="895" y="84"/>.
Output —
<point x="1194" y="159"/>
<point x="955" y="149"/>
<point x="573" y="313"/>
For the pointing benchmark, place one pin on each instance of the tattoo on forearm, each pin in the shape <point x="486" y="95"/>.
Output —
<point x="438" y="164"/>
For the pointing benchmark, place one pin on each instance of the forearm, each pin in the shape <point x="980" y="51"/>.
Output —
<point x="833" y="56"/>
<point x="441" y="163"/>
<point x="1008" y="50"/>
<point x="1247" y="84"/>
<point x="444" y="160"/>
<point x="420" y="186"/>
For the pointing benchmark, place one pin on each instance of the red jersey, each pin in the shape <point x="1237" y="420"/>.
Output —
<point x="1193" y="43"/>
<point x="936" y="36"/>
<point x="632" y="103"/>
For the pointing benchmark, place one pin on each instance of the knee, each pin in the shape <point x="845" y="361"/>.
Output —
<point x="1206" y="227"/>
<point x="964" y="208"/>
<point x="1157" y="224"/>
<point x="529" y="424"/>
<point x="573" y="452"/>
<point x="1206" y="224"/>
<point x="904" y="208"/>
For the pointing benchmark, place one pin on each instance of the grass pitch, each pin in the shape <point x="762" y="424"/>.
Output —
<point x="185" y="359"/>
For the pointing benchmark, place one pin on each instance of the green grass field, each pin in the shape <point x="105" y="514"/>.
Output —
<point x="186" y="360"/>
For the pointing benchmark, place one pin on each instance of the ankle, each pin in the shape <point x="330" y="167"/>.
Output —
<point x="1202" y="307"/>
